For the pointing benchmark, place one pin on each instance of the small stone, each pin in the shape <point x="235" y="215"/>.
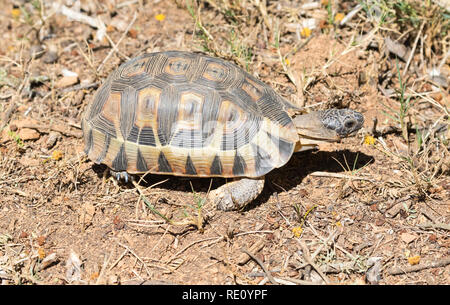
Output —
<point x="53" y="137"/>
<point x="26" y="134"/>
<point x="132" y="33"/>
<point x="407" y="237"/>
<point x="28" y="162"/>
<point x="380" y="221"/>
<point x="78" y="99"/>
<point x="432" y="238"/>
<point x="66" y="81"/>
<point x="4" y="137"/>
<point x="50" y="57"/>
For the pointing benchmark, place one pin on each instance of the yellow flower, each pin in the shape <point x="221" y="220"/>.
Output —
<point x="57" y="155"/>
<point x="287" y="62"/>
<point x="414" y="260"/>
<point x="94" y="276"/>
<point x="297" y="231"/>
<point x="160" y="17"/>
<point x="305" y="32"/>
<point x="15" y="12"/>
<point x="338" y="17"/>
<point x="369" y="140"/>
<point x="41" y="253"/>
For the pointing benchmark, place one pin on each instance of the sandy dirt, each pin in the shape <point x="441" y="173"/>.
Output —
<point x="355" y="212"/>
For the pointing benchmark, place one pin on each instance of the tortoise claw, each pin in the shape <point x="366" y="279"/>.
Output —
<point x="121" y="176"/>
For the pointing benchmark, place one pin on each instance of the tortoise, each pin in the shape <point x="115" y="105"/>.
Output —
<point x="188" y="114"/>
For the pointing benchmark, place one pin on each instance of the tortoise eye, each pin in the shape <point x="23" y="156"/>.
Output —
<point x="350" y="124"/>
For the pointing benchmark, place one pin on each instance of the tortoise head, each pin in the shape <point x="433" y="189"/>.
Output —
<point x="326" y="126"/>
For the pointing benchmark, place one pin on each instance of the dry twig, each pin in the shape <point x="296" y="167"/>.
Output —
<point x="115" y="47"/>
<point x="258" y="261"/>
<point x="435" y="264"/>
<point x="309" y="261"/>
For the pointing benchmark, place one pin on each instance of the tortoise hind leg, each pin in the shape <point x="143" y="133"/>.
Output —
<point x="237" y="194"/>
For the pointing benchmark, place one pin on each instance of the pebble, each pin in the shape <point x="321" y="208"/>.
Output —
<point x="4" y="137"/>
<point x="28" y="134"/>
<point x="26" y="161"/>
<point x="66" y="81"/>
<point x="50" y="57"/>
<point x="53" y="137"/>
<point x="78" y="99"/>
<point x="407" y="237"/>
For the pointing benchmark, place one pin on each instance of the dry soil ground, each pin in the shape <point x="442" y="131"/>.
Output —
<point x="372" y="209"/>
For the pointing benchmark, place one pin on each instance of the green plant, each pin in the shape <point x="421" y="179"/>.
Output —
<point x="405" y="105"/>
<point x="330" y="18"/>
<point x="16" y="138"/>
<point x="203" y="34"/>
<point x="239" y="49"/>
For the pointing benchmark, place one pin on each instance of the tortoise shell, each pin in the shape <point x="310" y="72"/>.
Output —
<point x="187" y="114"/>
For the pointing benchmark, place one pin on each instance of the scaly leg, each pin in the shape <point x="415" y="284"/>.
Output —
<point x="237" y="194"/>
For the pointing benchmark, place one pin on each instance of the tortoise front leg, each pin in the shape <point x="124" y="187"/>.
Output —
<point x="237" y="194"/>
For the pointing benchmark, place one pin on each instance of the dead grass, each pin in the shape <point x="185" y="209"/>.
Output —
<point x="356" y="212"/>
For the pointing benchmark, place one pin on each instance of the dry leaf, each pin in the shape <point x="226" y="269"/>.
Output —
<point x="86" y="214"/>
<point x="373" y="275"/>
<point x="73" y="267"/>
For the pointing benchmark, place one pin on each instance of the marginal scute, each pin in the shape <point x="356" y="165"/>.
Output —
<point x="89" y="142"/>
<point x="263" y="161"/>
<point x="190" y="168"/>
<point x="101" y="151"/>
<point x="163" y="163"/>
<point x="284" y="146"/>
<point x="187" y="114"/>
<point x="141" y="164"/>
<point x="120" y="161"/>
<point x="239" y="165"/>
<point x="216" y="166"/>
